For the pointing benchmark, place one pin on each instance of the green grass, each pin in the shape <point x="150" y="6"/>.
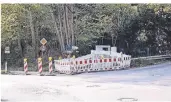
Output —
<point x="145" y="62"/>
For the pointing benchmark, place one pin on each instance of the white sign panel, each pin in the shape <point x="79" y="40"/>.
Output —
<point x="7" y="49"/>
<point x="43" y="48"/>
<point x="74" y="47"/>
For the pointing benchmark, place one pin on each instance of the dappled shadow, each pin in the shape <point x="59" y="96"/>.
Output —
<point x="4" y="100"/>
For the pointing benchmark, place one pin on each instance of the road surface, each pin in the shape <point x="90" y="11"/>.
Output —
<point x="151" y="83"/>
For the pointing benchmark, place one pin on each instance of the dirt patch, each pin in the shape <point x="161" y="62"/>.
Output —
<point x="127" y="99"/>
<point x="93" y="86"/>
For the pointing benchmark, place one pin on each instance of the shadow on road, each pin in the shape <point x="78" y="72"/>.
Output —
<point x="4" y="100"/>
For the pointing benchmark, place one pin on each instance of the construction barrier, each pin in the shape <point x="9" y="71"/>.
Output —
<point x="98" y="60"/>
<point x="25" y="66"/>
<point x="63" y="66"/>
<point x="91" y="65"/>
<point x="40" y="65"/>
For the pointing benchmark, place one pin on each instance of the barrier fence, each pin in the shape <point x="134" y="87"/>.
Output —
<point x="90" y="63"/>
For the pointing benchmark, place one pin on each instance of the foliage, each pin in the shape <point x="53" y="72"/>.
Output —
<point x="133" y="29"/>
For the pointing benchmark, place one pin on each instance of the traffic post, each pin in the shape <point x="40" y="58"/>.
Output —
<point x="50" y="65"/>
<point x="40" y="65"/>
<point x="7" y="51"/>
<point x="25" y="66"/>
<point x="6" y="67"/>
<point x="42" y="48"/>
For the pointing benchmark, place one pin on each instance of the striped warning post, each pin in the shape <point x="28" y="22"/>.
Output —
<point x="25" y="66"/>
<point x="50" y="65"/>
<point x="40" y="65"/>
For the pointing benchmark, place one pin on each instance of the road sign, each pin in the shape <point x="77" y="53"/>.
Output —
<point x="43" y="48"/>
<point x="74" y="47"/>
<point x="7" y="49"/>
<point x="43" y="41"/>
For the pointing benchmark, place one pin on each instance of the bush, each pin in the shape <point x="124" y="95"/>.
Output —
<point x="3" y="72"/>
<point x="146" y="62"/>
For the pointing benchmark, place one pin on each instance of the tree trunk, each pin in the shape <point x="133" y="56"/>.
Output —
<point x="118" y="24"/>
<point x="72" y="22"/>
<point x="61" y="34"/>
<point x="112" y="41"/>
<point x="56" y="27"/>
<point x="32" y="31"/>
<point x="37" y="40"/>
<point x="65" y="24"/>
<point x="75" y="31"/>
<point x="19" y="45"/>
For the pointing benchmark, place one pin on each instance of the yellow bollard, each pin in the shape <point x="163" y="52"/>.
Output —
<point x="73" y="56"/>
<point x="102" y="57"/>
<point x="50" y="58"/>
<point x="60" y="58"/>
<point x="25" y="59"/>
<point x="39" y="59"/>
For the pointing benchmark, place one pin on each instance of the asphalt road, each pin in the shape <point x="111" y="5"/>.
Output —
<point x="151" y="83"/>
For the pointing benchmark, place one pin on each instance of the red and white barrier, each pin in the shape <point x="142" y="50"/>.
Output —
<point x="25" y="66"/>
<point x="40" y="65"/>
<point x="92" y="63"/>
<point x="63" y="66"/>
<point x="81" y="66"/>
